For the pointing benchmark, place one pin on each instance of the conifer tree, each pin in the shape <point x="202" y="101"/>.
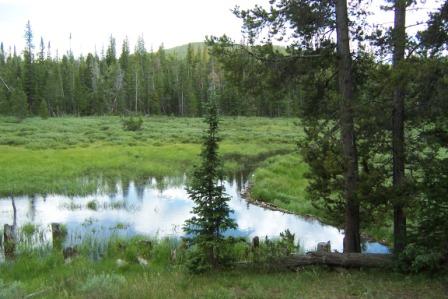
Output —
<point x="126" y="67"/>
<point x="2" y="55"/>
<point x="310" y="22"/>
<point x="398" y="116"/>
<point x="28" y="68"/>
<point x="211" y="212"/>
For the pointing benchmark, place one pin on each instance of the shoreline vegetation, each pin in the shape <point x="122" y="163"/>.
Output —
<point x="128" y="270"/>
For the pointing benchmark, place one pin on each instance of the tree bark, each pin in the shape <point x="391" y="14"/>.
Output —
<point x="58" y="234"/>
<point x="399" y="38"/>
<point x="352" y="240"/>
<point x="346" y="260"/>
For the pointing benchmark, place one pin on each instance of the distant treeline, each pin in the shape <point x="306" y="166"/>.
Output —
<point x="37" y="82"/>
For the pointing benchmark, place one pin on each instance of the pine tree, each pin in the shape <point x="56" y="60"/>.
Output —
<point x="111" y="56"/>
<point x="28" y="69"/>
<point x="310" y="22"/>
<point x="125" y="65"/>
<point x="398" y="116"/>
<point x="211" y="212"/>
<point x="2" y="55"/>
<point x="3" y="85"/>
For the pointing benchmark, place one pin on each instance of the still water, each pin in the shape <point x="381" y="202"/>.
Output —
<point x="158" y="208"/>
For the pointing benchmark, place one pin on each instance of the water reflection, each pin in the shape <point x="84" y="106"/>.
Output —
<point x="157" y="207"/>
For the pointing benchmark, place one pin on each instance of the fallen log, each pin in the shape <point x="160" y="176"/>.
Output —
<point x="333" y="259"/>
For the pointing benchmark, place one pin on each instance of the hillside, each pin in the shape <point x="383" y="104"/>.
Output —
<point x="181" y="51"/>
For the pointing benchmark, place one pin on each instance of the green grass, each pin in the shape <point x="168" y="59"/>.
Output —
<point x="281" y="181"/>
<point x="50" y="277"/>
<point x="57" y="155"/>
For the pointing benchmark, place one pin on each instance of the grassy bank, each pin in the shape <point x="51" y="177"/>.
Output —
<point x="75" y="281"/>
<point x="119" y="275"/>
<point x="280" y="181"/>
<point x="58" y="154"/>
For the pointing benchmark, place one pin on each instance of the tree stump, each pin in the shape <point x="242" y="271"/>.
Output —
<point x="255" y="242"/>
<point x="70" y="252"/>
<point x="9" y="241"/>
<point x="58" y="233"/>
<point x="324" y="247"/>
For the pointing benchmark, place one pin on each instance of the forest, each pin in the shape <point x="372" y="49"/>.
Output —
<point x="39" y="82"/>
<point x="234" y="169"/>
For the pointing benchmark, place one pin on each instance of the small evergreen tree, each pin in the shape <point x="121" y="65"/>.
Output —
<point x="211" y="212"/>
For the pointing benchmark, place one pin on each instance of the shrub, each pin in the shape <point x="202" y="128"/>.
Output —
<point x="103" y="286"/>
<point x="276" y="248"/>
<point x="130" y="250"/>
<point x="29" y="230"/>
<point x="132" y="124"/>
<point x="162" y="252"/>
<point x="196" y="260"/>
<point x="92" y="205"/>
<point x="417" y="258"/>
<point x="11" y="291"/>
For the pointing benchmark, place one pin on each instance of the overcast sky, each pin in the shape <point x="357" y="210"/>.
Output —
<point x="171" y="22"/>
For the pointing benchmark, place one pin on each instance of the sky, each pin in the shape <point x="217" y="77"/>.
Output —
<point x="171" y="22"/>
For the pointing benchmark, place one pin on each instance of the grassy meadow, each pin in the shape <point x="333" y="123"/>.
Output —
<point x="56" y="155"/>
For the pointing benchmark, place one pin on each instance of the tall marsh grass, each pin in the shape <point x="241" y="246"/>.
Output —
<point x="58" y="154"/>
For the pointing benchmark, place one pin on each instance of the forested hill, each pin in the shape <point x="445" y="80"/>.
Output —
<point x="117" y="81"/>
<point x="182" y="50"/>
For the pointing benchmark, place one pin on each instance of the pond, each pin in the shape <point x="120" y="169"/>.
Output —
<point x="156" y="208"/>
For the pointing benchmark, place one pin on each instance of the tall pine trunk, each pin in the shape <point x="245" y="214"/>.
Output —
<point x="352" y="242"/>
<point x="399" y="38"/>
